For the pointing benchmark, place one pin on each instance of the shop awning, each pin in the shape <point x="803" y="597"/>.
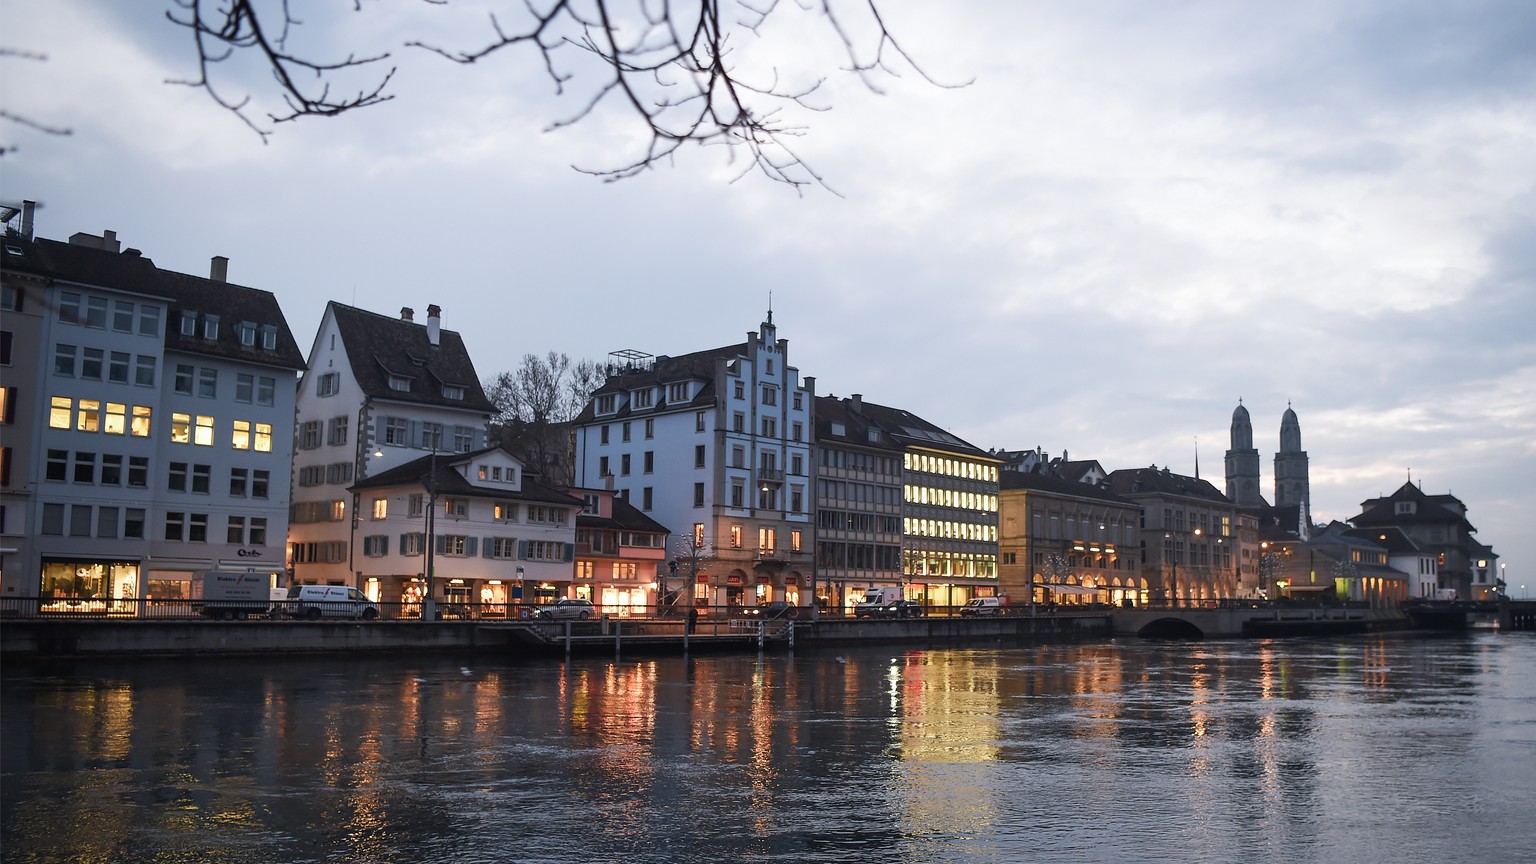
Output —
<point x="1070" y="589"/>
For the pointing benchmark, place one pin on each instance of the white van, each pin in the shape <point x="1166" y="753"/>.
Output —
<point x="982" y="606"/>
<point x="330" y="601"/>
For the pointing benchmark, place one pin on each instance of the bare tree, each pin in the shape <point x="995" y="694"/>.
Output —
<point x="21" y="119"/>
<point x="669" y="64"/>
<point x="537" y="401"/>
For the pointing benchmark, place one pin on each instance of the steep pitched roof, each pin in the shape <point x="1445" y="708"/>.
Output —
<point x="1426" y="510"/>
<point x="1132" y="482"/>
<point x="131" y="272"/>
<point x="698" y="366"/>
<point x="834" y="414"/>
<point x="447" y="480"/>
<point x="909" y="430"/>
<point x="1395" y="541"/>
<point x="1032" y="481"/>
<point x="379" y="346"/>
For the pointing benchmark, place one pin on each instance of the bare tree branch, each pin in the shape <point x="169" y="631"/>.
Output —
<point x="19" y="119"/>
<point x="667" y="63"/>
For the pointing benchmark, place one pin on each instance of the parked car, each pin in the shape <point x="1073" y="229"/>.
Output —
<point x="567" y="609"/>
<point x="772" y="610"/>
<point x="982" y="606"/>
<point x="330" y="601"/>
<point x="893" y="609"/>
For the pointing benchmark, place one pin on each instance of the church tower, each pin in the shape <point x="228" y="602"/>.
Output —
<point x="1243" y="462"/>
<point x="1291" y="485"/>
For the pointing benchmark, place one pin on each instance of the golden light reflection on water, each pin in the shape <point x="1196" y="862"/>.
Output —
<point x="384" y="758"/>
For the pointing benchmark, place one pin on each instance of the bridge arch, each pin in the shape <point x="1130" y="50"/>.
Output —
<point x="1170" y="628"/>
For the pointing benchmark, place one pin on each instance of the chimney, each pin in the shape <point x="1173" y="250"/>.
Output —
<point x="27" y="209"/>
<point x="218" y="271"/>
<point x="857" y="403"/>
<point x="434" y="324"/>
<point x="407" y="313"/>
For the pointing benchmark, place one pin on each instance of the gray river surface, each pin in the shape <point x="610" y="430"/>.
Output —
<point x="1381" y="748"/>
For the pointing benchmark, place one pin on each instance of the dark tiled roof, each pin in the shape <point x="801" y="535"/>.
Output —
<point x="631" y="518"/>
<point x="1428" y="510"/>
<point x="1053" y="485"/>
<point x="450" y="482"/>
<point x="856" y="427"/>
<point x="129" y="271"/>
<point x="1395" y="541"/>
<point x="903" y="428"/>
<point x="379" y="346"/>
<point x="1130" y="482"/>
<point x="698" y="366"/>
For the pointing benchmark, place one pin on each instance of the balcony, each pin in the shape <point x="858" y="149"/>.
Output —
<point x="768" y="474"/>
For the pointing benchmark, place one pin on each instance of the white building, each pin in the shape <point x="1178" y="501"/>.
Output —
<point x="471" y="530"/>
<point x="153" y="435"/>
<point x="378" y="392"/>
<point x="716" y="446"/>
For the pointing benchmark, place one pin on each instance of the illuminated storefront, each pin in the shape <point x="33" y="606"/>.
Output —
<point x="89" y="586"/>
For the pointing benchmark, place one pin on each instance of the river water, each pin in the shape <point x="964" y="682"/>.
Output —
<point x="1362" y="749"/>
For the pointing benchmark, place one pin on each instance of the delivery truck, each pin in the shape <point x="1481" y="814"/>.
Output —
<point x="230" y="595"/>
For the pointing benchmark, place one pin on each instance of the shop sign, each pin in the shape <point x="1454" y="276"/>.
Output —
<point x="791" y="581"/>
<point x="733" y="579"/>
<point x="703" y="580"/>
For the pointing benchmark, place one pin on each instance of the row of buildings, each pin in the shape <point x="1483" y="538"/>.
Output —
<point x="158" y="424"/>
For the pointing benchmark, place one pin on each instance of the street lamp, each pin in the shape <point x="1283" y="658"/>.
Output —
<point x="428" y="602"/>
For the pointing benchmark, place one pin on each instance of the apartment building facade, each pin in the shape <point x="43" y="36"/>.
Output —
<point x="153" y="425"/>
<point x="715" y="445"/>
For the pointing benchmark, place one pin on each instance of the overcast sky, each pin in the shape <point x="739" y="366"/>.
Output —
<point x="1137" y="213"/>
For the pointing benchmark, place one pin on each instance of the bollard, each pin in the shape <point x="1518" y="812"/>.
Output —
<point x="567" y="638"/>
<point x="618" y="629"/>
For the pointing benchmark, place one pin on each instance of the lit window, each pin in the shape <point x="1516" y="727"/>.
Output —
<point x="89" y="417"/>
<point x="264" y="438"/>
<point x="241" y="439"/>
<point x="117" y="419"/>
<point x="140" y="425"/>
<point x="203" y="436"/>
<point x="63" y="409"/>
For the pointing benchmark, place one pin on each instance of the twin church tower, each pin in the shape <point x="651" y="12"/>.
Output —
<point x="1291" y="487"/>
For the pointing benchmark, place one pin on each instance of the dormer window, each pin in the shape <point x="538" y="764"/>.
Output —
<point x="269" y="337"/>
<point x="839" y="429"/>
<point x="606" y="403"/>
<point x="677" y="392"/>
<point x="247" y="331"/>
<point x="641" y="398"/>
<point x="1407" y="507"/>
<point x="400" y="383"/>
<point x="188" y="322"/>
<point x="453" y="391"/>
<point x="211" y="327"/>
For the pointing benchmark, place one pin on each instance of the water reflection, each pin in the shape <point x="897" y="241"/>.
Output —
<point x="1275" y="750"/>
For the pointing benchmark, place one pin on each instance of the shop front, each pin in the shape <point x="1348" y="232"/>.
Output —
<point x="72" y="586"/>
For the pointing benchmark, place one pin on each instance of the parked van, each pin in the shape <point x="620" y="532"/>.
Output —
<point x="982" y="606"/>
<point x="232" y="595"/>
<point x="330" y="601"/>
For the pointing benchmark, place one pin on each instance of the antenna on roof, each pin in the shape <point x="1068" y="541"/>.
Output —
<point x="1197" y="457"/>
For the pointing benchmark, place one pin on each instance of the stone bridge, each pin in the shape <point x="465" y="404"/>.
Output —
<point x="1248" y="619"/>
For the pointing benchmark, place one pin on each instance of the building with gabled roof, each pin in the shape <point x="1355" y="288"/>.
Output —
<point x="859" y="504"/>
<point x="1437" y="524"/>
<point x="621" y="556"/>
<point x="473" y="531"/>
<point x="1189" y="537"/>
<point x="377" y="392"/>
<point x="1421" y="566"/>
<point x="715" y="445"/>
<point x="1065" y="540"/>
<point x="149" y="425"/>
<point x="949" y="507"/>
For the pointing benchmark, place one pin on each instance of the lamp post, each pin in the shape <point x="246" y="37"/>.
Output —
<point x="428" y="602"/>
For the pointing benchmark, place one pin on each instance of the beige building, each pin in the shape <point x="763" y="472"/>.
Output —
<point x="1066" y="541"/>
<point x="1189" y="535"/>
